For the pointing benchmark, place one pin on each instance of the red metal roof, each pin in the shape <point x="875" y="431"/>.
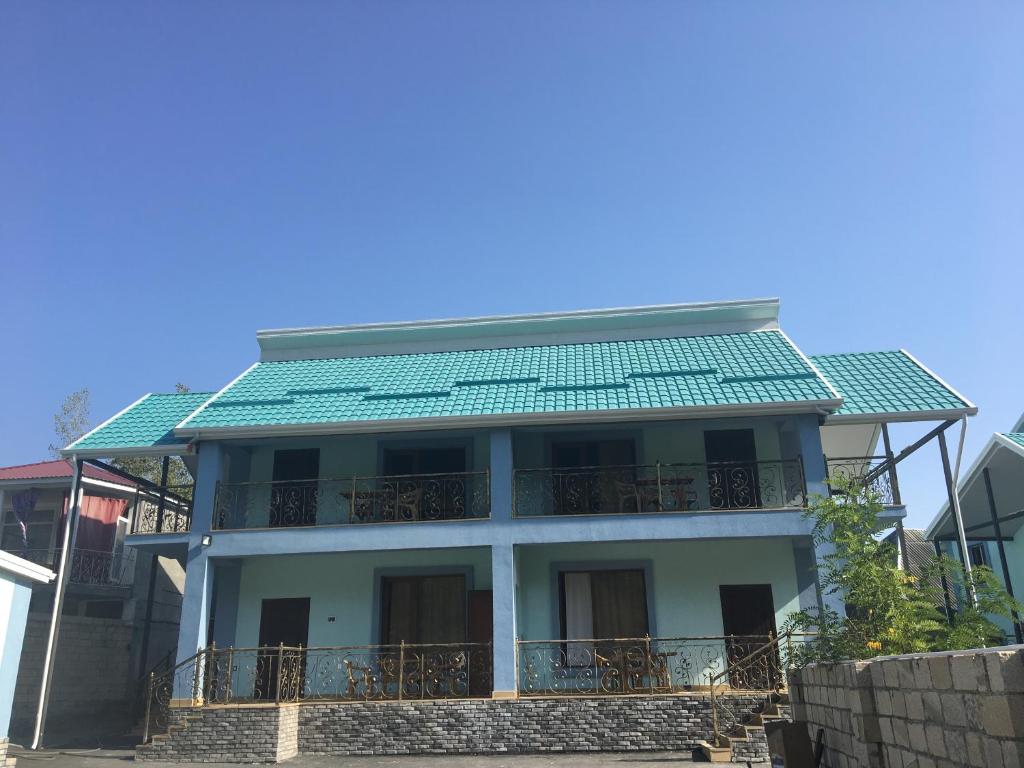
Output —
<point x="50" y="470"/>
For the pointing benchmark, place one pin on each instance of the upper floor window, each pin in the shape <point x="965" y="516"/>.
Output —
<point x="978" y="554"/>
<point x="424" y="461"/>
<point x="39" y="531"/>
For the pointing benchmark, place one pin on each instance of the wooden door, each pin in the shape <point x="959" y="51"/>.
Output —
<point x="283" y="621"/>
<point x="748" y="619"/>
<point x="481" y="634"/>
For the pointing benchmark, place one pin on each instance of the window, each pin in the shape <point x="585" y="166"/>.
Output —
<point x="40" y="526"/>
<point x="423" y="609"/>
<point x="424" y="461"/>
<point x="978" y="554"/>
<point x="599" y="605"/>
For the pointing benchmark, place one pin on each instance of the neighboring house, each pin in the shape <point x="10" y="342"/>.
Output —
<point x="17" y="577"/>
<point x="991" y="494"/>
<point x="115" y="623"/>
<point x="544" y="505"/>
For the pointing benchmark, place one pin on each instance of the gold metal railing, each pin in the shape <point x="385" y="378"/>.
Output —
<point x="284" y="674"/>
<point x="353" y="500"/>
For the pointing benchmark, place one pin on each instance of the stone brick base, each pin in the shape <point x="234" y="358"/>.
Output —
<point x="246" y="734"/>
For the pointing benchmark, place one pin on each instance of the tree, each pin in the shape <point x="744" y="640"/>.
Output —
<point x="72" y="421"/>
<point x="888" y="611"/>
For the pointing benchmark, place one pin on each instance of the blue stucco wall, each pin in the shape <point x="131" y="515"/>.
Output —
<point x="15" y="595"/>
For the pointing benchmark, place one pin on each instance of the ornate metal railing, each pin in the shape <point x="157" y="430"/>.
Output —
<point x="635" y="666"/>
<point x="402" y="672"/>
<point x="762" y="668"/>
<point x="353" y="500"/>
<point x="659" y="488"/>
<point x="90" y="567"/>
<point x="865" y="469"/>
<point x="162" y="510"/>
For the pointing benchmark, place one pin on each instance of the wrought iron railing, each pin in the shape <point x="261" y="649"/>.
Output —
<point x="353" y="500"/>
<point x="633" y="666"/>
<point x="659" y="488"/>
<point x="869" y="470"/>
<point x="761" y="669"/>
<point x="162" y="510"/>
<point x="282" y="674"/>
<point x="89" y="567"/>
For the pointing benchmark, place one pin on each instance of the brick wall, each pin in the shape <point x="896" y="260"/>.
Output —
<point x="92" y="675"/>
<point x="923" y="711"/>
<point x="260" y="734"/>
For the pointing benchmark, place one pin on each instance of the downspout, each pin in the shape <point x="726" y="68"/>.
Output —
<point x="957" y="515"/>
<point x="67" y="547"/>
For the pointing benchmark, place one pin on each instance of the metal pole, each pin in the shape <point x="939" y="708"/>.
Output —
<point x="954" y="498"/>
<point x="1018" y="635"/>
<point x="68" y="543"/>
<point x="894" y="482"/>
<point x="950" y="494"/>
<point x="164" y="466"/>
<point x="945" y="585"/>
<point x="149" y="702"/>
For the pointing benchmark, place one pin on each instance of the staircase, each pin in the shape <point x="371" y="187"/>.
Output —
<point x="747" y="742"/>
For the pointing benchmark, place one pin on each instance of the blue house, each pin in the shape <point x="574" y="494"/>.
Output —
<point x="553" y="505"/>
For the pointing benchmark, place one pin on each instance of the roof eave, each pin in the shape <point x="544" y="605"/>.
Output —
<point x="818" y="407"/>
<point x="894" y="416"/>
<point x="176" y="449"/>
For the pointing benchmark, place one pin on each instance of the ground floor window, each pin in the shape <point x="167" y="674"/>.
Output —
<point x="423" y="609"/>
<point x="603" y="604"/>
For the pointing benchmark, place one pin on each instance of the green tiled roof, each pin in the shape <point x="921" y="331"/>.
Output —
<point x="148" y="423"/>
<point x="886" y="382"/>
<point x="1017" y="437"/>
<point x="730" y="369"/>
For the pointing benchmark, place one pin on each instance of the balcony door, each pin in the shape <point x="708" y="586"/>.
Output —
<point x="603" y="605"/>
<point x="283" y="621"/>
<point x="748" y="619"/>
<point x="294" y="491"/>
<point x="593" y="476"/>
<point x="731" y="456"/>
<point x="425" y="483"/>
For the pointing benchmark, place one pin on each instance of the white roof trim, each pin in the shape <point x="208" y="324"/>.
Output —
<point x="511" y="419"/>
<point x="69" y="450"/>
<point x="25" y="569"/>
<point x="835" y="392"/>
<point x="971" y="407"/>
<point x="216" y="394"/>
<point x="994" y="443"/>
<point x="895" y="416"/>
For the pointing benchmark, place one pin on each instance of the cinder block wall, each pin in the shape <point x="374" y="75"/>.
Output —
<point x="92" y="675"/>
<point x="958" y="709"/>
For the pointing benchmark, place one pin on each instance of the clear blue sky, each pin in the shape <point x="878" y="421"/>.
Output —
<point x="175" y="176"/>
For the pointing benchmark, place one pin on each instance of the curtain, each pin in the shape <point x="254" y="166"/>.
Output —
<point x="579" y="618"/>
<point x="442" y="610"/>
<point x="24" y="504"/>
<point x="619" y="604"/>
<point x="97" y="523"/>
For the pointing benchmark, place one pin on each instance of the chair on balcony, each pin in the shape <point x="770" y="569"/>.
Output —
<point x="407" y="505"/>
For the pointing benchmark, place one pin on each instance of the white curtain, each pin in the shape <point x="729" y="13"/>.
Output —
<point x="579" y="618"/>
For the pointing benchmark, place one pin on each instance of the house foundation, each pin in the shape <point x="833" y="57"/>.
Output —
<point x="272" y="733"/>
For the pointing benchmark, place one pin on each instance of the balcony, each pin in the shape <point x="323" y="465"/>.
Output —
<point x="89" y="567"/>
<point x="166" y="509"/>
<point x="634" y="489"/>
<point x="352" y="501"/>
<point x="869" y="470"/>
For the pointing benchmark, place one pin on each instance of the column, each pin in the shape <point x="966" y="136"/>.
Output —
<point x="815" y="477"/>
<point x="227" y="580"/>
<point x="195" y="604"/>
<point x="503" y="585"/>
<point x="501" y="474"/>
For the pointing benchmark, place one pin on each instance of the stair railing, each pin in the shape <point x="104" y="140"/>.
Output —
<point x="161" y="684"/>
<point x="761" y="670"/>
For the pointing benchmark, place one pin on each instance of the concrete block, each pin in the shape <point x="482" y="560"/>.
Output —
<point x="953" y="710"/>
<point x="915" y="705"/>
<point x="968" y="672"/>
<point x="1003" y="716"/>
<point x="936" y="740"/>
<point x="942" y="678"/>
<point x="1005" y="671"/>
